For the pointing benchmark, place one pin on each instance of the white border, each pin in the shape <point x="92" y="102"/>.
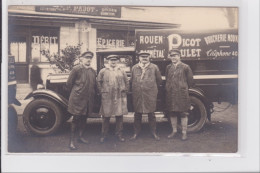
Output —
<point x="248" y="108"/>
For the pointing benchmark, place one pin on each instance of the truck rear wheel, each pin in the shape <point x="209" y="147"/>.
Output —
<point x="42" y="117"/>
<point x="197" y="116"/>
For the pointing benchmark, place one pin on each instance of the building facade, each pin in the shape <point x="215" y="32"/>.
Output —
<point x="100" y="29"/>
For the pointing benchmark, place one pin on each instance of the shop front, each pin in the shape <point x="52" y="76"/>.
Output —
<point x="32" y="29"/>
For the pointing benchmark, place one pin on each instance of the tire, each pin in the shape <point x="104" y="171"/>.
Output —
<point x="42" y="117"/>
<point x="197" y="115"/>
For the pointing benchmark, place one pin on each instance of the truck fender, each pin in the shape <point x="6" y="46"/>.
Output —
<point x="45" y="93"/>
<point x="197" y="92"/>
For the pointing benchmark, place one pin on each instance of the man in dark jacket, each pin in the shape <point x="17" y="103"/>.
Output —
<point x="82" y="82"/>
<point x="146" y="78"/>
<point x="35" y="76"/>
<point x="179" y="78"/>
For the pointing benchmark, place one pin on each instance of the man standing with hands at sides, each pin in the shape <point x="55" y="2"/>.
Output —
<point x="113" y="85"/>
<point x="82" y="82"/>
<point x="146" y="78"/>
<point x="179" y="78"/>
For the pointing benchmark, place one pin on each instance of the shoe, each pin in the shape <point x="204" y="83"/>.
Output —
<point x="121" y="139"/>
<point x="82" y="140"/>
<point x="133" y="137"/>
<point x="184" y="137"/>
<point x="72" y="146"/>
<point x="102" y="139"/>
<point x="171" y="135"/>
<point x="157" y="138"/>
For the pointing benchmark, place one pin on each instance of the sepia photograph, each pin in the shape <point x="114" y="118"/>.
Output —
<point x="122" y="79"/>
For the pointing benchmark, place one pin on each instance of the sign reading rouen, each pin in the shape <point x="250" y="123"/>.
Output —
<point x="104" y="11"/>
<point x="219" y="44"/>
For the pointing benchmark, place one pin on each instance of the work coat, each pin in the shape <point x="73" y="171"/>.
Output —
<point x="145" y="84"/>
<point x="113" y="86"/>
<point x="178" y="80"/>
<point x="82" y="82"/>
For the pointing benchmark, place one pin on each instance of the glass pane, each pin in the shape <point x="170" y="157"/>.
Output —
<point x="44" y="46"/>
<point x="44" y="40"/>
<point x="54" y="48"/>
<point x="18" y="48"/>
<point x="36" y="51"/>
<point x="22" y="52"/>
<point x="14" y="50"/>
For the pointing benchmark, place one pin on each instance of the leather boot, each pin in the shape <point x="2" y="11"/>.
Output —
<point x="105" y="129"/>
<point x="120" y="138"/>
<point x="119" y="128"/>
<point x="173" y="121"/>
<point x="81" y="131"/>
<point x="133" y="137"/>
<point x="72" y="136"/>
<point x="171" y="135"/>
<point x="152" y="123"/>
<point x="184" y="136"/>
<point x="156" y="137"/>
<point x="103" y="139"/>
<point x="81" y="139"/>
<point x="184" y="125"/>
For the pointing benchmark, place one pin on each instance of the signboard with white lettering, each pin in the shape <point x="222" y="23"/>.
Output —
<point x="104" y="11"/>
<point x="107" y="39"/>
<point x="219" y="44"/>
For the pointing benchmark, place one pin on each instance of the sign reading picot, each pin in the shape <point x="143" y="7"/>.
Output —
<point x="104" y="11"/>
<point x="203" y="45"/>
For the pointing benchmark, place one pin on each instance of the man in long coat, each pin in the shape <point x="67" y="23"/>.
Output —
<point x="82" y="82"/>
<point x="179" y="78"/>
<point x="146" y="78"/>
<point x="113" y="85"/>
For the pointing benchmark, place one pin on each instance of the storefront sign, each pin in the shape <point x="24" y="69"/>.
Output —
<point x="44" y="40"/>
<point x="200" y="45"/>
<point x="105" y="11"/>
<point x="114" y="39"/>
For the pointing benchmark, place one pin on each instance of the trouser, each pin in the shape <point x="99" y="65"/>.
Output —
<point x="80" y="122"/>
<point x="138" y="122"/>
<point x="184" y="121"/>
<point x="119" y="125"/>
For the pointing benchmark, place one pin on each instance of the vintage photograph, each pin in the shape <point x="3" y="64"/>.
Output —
<point x="122" y="79"/>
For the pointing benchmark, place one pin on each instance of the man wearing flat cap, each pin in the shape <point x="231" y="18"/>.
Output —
<point x="146" y="78"/>
<point x="113" y="85"/>
<point x="179" y="78"/>
<point x="82" y="83"/>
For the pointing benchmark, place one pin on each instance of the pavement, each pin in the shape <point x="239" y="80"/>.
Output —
<point x="218" y="136"/>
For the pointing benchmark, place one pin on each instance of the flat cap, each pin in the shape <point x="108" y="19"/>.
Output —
<point x="112" y="57"/>
<point x="87" y="54"/>
<point x="143" y="53"/>
<point x="175" y="51"/>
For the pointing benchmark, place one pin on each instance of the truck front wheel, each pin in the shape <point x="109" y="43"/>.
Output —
<point x="42" y="117"/>
<point x="197" y="115"/>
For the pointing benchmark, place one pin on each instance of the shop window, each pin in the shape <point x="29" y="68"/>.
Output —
<point x="18" y="49"/>
<point x="44" y="40"/>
